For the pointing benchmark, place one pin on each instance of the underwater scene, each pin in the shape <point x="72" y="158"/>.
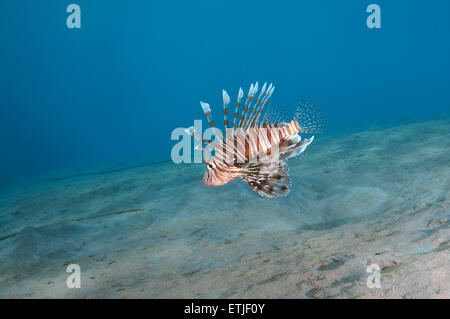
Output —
<point x="225" y="149"/>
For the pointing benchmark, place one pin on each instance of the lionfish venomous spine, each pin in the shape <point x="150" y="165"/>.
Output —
<point x="255" y="148"/>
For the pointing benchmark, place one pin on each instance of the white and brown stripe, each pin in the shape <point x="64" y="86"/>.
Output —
<point x="248" y="145"/>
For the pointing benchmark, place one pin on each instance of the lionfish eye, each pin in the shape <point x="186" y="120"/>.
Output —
<point x="210" y="166"/>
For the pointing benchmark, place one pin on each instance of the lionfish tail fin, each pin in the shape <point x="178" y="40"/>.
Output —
<point x="309" y="118"/>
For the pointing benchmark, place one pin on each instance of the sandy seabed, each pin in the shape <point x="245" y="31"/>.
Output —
<point x="374" y="197"/>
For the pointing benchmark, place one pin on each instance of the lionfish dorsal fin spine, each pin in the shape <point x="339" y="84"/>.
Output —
<point x="250" y="116"/>
<point x="236" y="112"/>
<point x="263" y="102"/>
<point x="207" y="110"/>
<point x="251" y="95"/>
<point x="192" y="132"/>
<point x="244" y="110"/>
<point x="226" y="101"/>
<point x="261" y="99"/>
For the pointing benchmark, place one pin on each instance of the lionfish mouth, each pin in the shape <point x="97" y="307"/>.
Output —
<point x="209" y="182"/>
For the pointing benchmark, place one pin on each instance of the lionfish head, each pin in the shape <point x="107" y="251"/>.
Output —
<point x="210" y="176"/>
<point x="216" y="177"/>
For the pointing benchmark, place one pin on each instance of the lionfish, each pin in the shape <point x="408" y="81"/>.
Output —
<point x="256" y="148"/>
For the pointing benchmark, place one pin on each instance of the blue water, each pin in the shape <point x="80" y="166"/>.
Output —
<point x="109" y="94"/>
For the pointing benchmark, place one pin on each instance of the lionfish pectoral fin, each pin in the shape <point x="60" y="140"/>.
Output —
<point x="268" y="179"/>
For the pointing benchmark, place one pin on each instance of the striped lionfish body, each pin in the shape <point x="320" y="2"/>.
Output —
<point x="256" y="148"/>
